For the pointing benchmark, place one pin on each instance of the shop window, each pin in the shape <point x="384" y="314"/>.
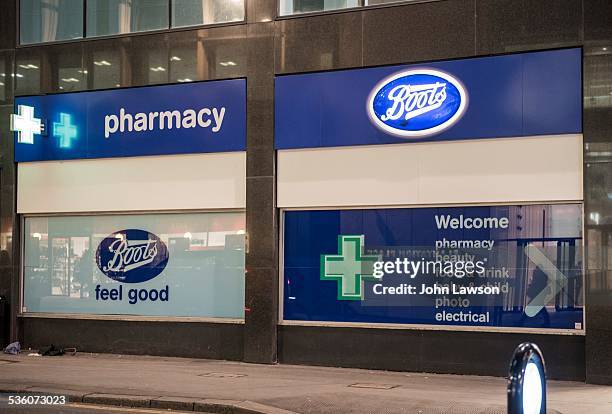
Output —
<point x="345" y="266"/>
<point x="200" y="12"/>
<point x="109" y="17"/>
<point x="288" y="7"/>
<point x="150" y="264"/>
<point x="50" y="20"/>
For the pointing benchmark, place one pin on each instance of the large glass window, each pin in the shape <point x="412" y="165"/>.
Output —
<point x="288" y="7"/>
<point x="54" y="20"/>
<point x="197" y="12"/>
<point x="108" y="17"/>
<point x="375" y="2"/>
<point x="516" y="266"/>
<point x="50" y="20"/>
<point x="150" y="264"/>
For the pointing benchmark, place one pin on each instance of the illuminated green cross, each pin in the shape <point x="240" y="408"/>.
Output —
<point x="65" y="130"/>
<point x="349" y="267"/>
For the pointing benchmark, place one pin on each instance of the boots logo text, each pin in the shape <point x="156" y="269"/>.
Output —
<point x="417" y="103"/>
<point x="132" y="256"/>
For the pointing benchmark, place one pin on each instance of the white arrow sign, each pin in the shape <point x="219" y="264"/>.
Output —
<point x="556" y="281"/>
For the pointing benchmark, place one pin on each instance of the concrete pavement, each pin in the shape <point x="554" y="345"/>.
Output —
<point x="276" y="388"/>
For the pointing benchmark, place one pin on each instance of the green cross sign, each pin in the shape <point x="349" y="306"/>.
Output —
<point x="65" y="130"/>
<point x="349" y="267"/>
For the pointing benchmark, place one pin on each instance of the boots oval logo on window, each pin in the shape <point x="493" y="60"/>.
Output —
<point x="417" y="103"/>
<point x="132" y="256"/>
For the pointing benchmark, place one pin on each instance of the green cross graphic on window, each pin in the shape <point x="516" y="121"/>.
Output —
<point x="349" y="267"/>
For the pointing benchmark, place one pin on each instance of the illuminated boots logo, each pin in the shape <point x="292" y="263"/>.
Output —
<point x="349" y="267"/>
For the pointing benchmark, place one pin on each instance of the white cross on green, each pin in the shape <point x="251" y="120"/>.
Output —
<point x="349" y="267"/>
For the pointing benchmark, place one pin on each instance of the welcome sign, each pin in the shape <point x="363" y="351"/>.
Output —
<point x="517" y="95"/>
<point x="154" y="120"/>
<point x="502" y="266"/>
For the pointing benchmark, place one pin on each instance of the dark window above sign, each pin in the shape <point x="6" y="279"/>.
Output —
<point x="50" y="20"/>
<point x="43" y="21"/>
<point x="291" y="7"/>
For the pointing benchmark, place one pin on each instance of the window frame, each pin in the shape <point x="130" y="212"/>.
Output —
<point x="229" y="23"/>
<point x="423" y="327"/>
<point x="169" y="29"/>
<point x="361" y="7"/>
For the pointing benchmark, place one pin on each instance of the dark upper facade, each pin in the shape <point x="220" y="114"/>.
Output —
<point x="264" y="39"/>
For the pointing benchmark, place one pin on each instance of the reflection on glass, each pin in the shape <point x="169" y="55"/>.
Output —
<point x="50" y="20"/>
<point x="150" y="64"/>
<point x="599" y="217"/>
<point x="229" y="63"/>
<point x="3" y="79"/>
<point x="71" y="79"/>
<point x="306" y="6"/>
<point x="104" y="68"/>
<point x="199" y="12"/>
<point x="196" y="57"/>
<point x="70" y="73"/>
<point x="597" y="68"/>
<point x="108" y="17"/>
<point x="27" y="76"/>
<point x="204" y="274"/>
<point x="187" y="60"/>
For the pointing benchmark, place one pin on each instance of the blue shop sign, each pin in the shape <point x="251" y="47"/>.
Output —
<point x="514" y="266"/>
<point x="523" y="94"/>
<point x="154" y="120"/>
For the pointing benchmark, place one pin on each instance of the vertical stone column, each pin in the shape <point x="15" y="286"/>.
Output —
<point x="261" y="294"/>
<point x="9" y="275"/>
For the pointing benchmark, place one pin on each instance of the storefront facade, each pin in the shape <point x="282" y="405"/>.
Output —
<point x="262" y="189"/>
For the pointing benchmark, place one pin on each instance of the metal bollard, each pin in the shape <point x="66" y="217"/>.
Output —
<point x="527" y="381"/>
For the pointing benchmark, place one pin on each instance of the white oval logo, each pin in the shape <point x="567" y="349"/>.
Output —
<point x="417" y="103"/>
